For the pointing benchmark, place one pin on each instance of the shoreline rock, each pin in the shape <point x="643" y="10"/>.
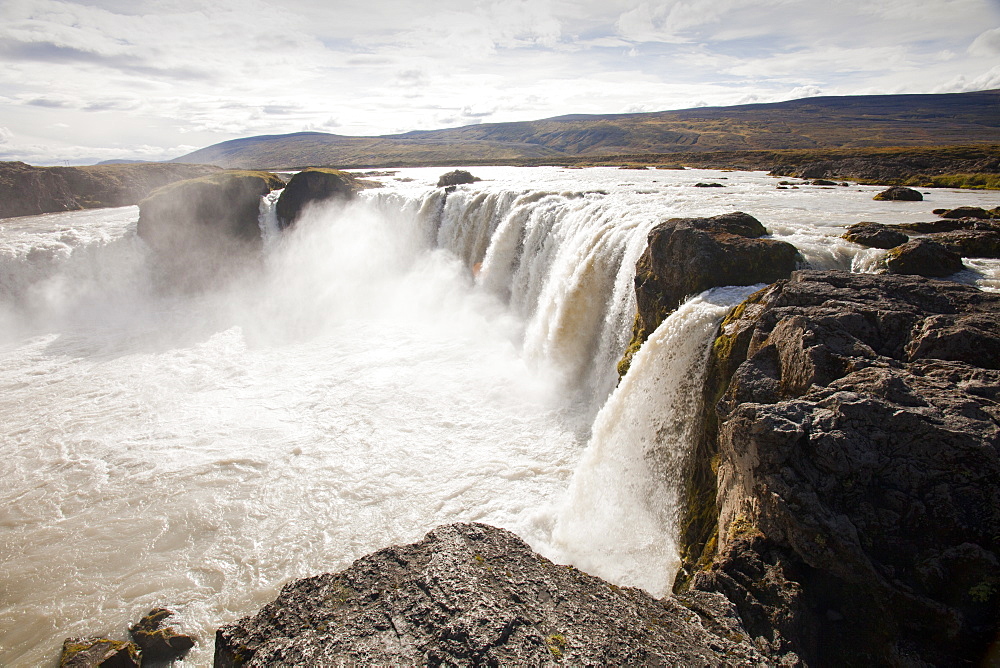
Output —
<point x="472" y="594"/>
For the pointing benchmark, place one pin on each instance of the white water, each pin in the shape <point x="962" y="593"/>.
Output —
<point x="358" y="388"/>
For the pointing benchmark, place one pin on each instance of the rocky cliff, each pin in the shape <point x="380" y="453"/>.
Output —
<point x="26" y="190"/>
<point x="847" y="498"/>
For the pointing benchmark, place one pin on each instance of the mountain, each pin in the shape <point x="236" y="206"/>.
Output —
<point x="853" y="122"/>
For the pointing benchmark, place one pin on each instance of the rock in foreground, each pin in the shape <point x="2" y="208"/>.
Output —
<point x="471" y="594"/>
<point x="857" y="453"/>
<point x="923" y="257"/>
<point x="99" y="653"/>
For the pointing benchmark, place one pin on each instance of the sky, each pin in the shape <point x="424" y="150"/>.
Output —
<point x="90" y="80"/>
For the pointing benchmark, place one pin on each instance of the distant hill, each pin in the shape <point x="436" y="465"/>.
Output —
<point x="864" y="121"/>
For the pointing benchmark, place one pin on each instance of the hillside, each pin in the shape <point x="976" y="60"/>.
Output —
<point x="854" y="122"/>
<point x="26" y="190"/>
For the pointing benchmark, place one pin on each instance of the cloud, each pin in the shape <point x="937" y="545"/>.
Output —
<point x="170" y="72"/>
<point x="986" y="44"/>
<point x="5" y="135"/>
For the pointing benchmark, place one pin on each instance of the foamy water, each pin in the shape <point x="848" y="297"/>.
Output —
<point x="411" y="360"/>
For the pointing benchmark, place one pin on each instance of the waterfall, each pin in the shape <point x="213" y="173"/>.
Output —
<point x="561" y="261"/>
<point x="619" y="518"/>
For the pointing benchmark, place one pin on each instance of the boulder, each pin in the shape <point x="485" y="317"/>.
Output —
<point x="456" y="178"/>
<point x="218" y="211"/>
<point x="923" y="257"/>
<point x="899" y="194"/>
<point x="853" y="470"/>
<point x="709" y="185"/>
<point x="159" y="642"/>
<point x="312" y="185"/>
<point x="971" y="243"/>
<point x="475" y="595"/>
<point x="685" y="256"/>
<point x="875" y="235"/>
<point x="968" y="212"/>
<point x="949" y="225"/>
<point x="823" y="182"/>
<point x="99" y="653"/>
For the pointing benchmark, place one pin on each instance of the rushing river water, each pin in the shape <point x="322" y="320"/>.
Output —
<point x="409" y="360"/>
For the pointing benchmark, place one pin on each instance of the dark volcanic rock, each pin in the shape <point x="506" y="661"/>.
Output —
<point x="899" y="194"/>
<point x="212" y="211"/>
<point x="923" y="257"/>
<point x="685" y="256"/>
<point x="858" y="456"/>
<point x="950" y="225"/>
<point x="968" y="212"/>
<point x="99" y="653"/>
<point x="456" y="178"/>
<point x="978" y="243"/>
<point x="475" y="595"/>
<point x="26" y="190"/>
<point x="312" y="185"/>
<point x="709" y="185"/>
<point x="159" y="642"/>
<point x="875" y="235"/>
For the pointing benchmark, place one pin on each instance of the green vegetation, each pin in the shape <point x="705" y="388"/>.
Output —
<point x="556" y="644"/>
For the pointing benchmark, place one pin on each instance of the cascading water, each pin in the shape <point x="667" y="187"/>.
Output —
<point x="414" y="359"/>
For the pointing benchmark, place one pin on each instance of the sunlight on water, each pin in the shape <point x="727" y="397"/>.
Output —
<point x="410" y="360"/>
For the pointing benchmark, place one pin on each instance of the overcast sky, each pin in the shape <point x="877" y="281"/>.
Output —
<point x="89" y="80"/>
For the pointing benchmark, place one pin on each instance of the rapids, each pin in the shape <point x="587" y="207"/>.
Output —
<point x="406" y="361"/>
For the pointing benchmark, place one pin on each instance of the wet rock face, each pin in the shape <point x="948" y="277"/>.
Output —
<point x="685" y="256"/>
<point x="899" y="194"/>
<point x="456" y="178"/>
<point x="858" y="459"/>
<point x="875" y="235"/>
<point x="312" y="185"/>
<point x="471" y="594"/>
<point x="923" y="257"/>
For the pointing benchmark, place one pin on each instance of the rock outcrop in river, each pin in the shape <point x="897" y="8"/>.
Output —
<point x="313" y="185"/>
<point x="207" y="213"/>
<point x="846" y="496"/>
<point x="475" y="595"/>
<point x="685" y="256"/>
<point x="26" y="190"/>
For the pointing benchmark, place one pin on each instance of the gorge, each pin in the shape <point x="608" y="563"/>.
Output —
<point x="418" y="357"/>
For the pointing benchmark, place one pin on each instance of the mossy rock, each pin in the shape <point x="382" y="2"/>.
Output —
<point x="923" y="257"/>
<point x="99" y="653"/>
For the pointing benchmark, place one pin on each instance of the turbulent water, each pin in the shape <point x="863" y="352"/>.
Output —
<point x="409" y="360"/>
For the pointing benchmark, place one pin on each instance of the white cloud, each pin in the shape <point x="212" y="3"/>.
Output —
<point x="158" y="74"/>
